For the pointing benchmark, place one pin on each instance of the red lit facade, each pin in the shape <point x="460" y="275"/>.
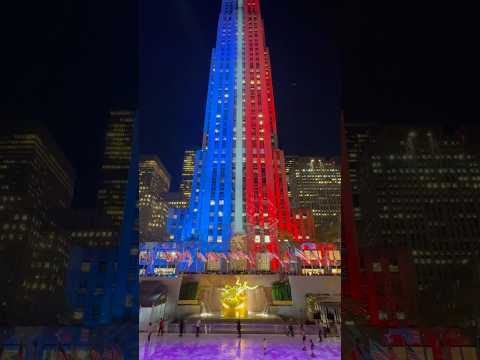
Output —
<point x="267" y="206"/>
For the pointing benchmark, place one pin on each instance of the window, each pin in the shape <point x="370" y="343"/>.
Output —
<point x="85" y="267"/>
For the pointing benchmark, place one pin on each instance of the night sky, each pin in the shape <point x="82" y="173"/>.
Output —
<point x="67" y="62"/>
<point x="174" y="67"/>
<point x="408" y="62"/>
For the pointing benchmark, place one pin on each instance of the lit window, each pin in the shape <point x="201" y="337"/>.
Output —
<point x="267" y="238"/>
<point x="257" y="238"/>
<point x="377" y="267"/>
<point x="85" y="267"/>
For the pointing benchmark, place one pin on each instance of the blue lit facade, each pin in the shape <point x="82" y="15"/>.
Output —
<point x="102" y="282"/>
<point x="208" y="223"/>
<point x="92" y="271"/>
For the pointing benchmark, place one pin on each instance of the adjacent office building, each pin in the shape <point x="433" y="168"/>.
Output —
<point x="154" y="182"/>
<point x="416" y="196"/>
<point x="35" y="180"/>
<point x="88" y="227"/>
<point x="187" y="173"/>
<point x="314" y="183"/>
<point x="102" y="282"/>
<point x="116" y="161"/>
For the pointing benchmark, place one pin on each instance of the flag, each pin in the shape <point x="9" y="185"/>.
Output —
<point x="62" y="352"/>
<point x="410" y="336"/>
<point x="84" y="334"/>
<point x="212" y="256"/>
<point x="319" y="258"/>
<point x="275" y="256"/>
<point x="301" y="255"/>
<point x="189" y="257"/>
<point x="378" y="352"/>
<point x="116" y="352"/>
<point x="95" y="355"/>
<point x="362" y="351"/>
<point x="201" y="257"/>
<point x="20" y="352"/>
<point x="107" y="354"/>
<point x="411" y="354"/>
<point x="223" y="256"/>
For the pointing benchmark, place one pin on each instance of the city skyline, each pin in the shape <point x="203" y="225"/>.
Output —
<point x="247" y="166"/>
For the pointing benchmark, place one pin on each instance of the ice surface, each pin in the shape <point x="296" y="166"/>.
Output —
<point x="226" y="347"/>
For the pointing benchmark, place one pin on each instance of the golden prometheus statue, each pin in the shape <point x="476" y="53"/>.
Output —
<point x="234" y="299"/>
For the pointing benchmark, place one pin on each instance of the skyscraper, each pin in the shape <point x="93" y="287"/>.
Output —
<point x="187" y="173"/>
<point x="414" y="196"/>
<point x="314" y="183"/>
<point x="239" y="184"/>
<point x="36" y="180"/>
<point x="116" y="160"/>
<point x="153" y="207"/>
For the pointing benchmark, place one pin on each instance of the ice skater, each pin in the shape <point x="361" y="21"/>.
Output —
<point x="239" y="328"/>
<point x="197" y="326"/>
<point x="320" y="334"/>
<point x="304" y="338"/>
<point x="181" y="327"/>
<point x="312" y="348"/>
<point x="326" y="330"/>
<point x="149" y="331"/>
<point x="264" y="346"/>
<point x="161" y="327"/>
<point x="290" y="330"/>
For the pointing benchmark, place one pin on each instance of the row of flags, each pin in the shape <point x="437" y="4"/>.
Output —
<point x="63" y="337"/>
<point x="308" y="256"/>
<point x="112" y="353"/>
<point x="375" y="351"/>
<point x="403" y="339"/>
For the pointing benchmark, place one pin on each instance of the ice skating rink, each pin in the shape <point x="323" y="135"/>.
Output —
<point x="229" y="347"/>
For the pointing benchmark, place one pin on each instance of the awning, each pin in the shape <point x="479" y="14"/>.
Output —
<point x="152" y="293"/>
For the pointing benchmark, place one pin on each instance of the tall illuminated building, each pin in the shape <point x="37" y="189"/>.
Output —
<point x="239" y="183"/>
<point x="116" y="161"/>
<point x="187" y="173"/>
<point x="154" y="182"/>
